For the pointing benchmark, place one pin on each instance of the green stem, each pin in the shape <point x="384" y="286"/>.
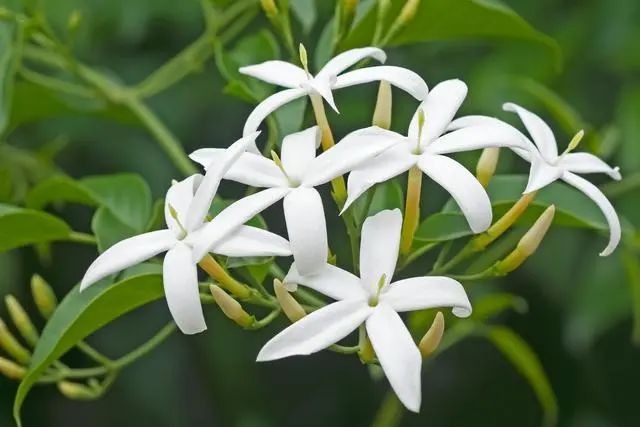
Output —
<point x="390" y="412"/>
<point x="78" y="237"/>
<point x="94" y="354"/>
<point x="147" y="347"/>
<point x="337" y="348"/>
<point x="265" y="321"/>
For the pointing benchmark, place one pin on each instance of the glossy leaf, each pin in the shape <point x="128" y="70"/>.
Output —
<point x="108" y="229"/>
<point x="21" y="227"/>
<point x="59" y="189"/>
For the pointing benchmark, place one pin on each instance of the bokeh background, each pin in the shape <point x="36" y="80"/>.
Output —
<point x="580" y="317"/>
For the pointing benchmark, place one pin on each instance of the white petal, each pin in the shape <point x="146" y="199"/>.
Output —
<point x="316" y="331"/>
<point x="587" y="163"/>
<point x="179" y="197"/>
<point x="400" y="77"/>
<point x="388" y="164"/>
<point x="354" y="149"/>
<point x="474" y="138"/>
<point x="341" y="62"/>
<point x="398" y="354"/>
<point x="540" y="132"/>
<point x="541" y="173"/>
<point x="439" y="108"/>
<point x="252" y="241"/>
<point x="127" y="253"/>
<point x="250" y="169"/>
<point x="201" y="203"/>
<point x="329" y="280"/>
<point x="605" y="206"/>
<point x="268" y="106"/>
<point x="307" y="229"/>
<point x="232" y="217"/>
<point x="463" y="187"/>
<point x="322" y="86"/>
<point x="180" y="277"/>
<point x="420" y="293"/>
<point x="379" y="248"/>
<point x="277" y="72"/>
<point x="298" y="151"/>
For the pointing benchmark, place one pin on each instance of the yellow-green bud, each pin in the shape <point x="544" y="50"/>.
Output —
<point x="487" y="165"/>
<point x="43" y="296"/>
<point x="77" y="391"/>
<point x="11" y="345"/>
<point x="575" y="141"/>
<point x="74" y="21"/>
<point x="431" y="340"/>
<point x="21" y="319"/>
<point x="231" y="308"/>
<point x="11" y="369"/>
<point x="408" y="11"/>
<point x="304" y="59"/>
<point x="291" y="308"/>
<point x="382" y="112"/>
<point x="269" y="7"/>
<point x="349" y="6"/>
<point x="366" y="353"/>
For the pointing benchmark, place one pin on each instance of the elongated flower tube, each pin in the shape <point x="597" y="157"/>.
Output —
<point x="186" y="207"/>
<point x="372" y="299"/>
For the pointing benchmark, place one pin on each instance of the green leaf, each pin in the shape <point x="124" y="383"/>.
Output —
<point x="219" y="204"/>
<point x="108" y="229"/>
<point x="81" y="314"/>
<point x="59" y="189"/>
<point x="521" y="356"/>
<point x="21" y="227"/>
<point x="493" y="304"/>
<point x="290" y="117"/>
<point x="386" y="195"/>
<point x="11" y="39"/>
<point x="632" y="267"/>
<point x="305" y="12"/>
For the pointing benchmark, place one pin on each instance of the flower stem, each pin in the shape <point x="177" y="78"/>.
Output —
<point x="390" y="412"/>
<point x="411" y="210"/>
<point x="78" y="237"/>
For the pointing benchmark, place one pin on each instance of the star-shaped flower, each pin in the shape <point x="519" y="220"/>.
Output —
<point x="185" y="213"/>
<point x="293" y="178"/>
<point x="375" y="301"/>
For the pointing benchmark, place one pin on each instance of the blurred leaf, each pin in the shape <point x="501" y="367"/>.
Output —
<point x="522" y="357"/>
<point x="11" y="39"/>
<point x="290" y="117"/>
<point x="387" y="195"/>
<point x="81" y="314"/>
<point x="324" y="47"/>
<point x="305" y="12"/>
<point x="21" y="227"/>
<point x="156" y="220"/>
<point x="59" y="188"/>
<point x="627" y="120"/>
<point x="108" y="229"/>
<point x="632" y="267"/>
<point x="219" y="204"/>
<point x="493" y="304"/>
<point x="443" y="226"/>
<point x="255" y="268"/>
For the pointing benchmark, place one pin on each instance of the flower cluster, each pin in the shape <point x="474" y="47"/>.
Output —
<point x="371" y="300"/>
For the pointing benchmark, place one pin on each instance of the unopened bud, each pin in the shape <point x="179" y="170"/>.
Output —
<point x="11" y="345"/>
<point x="487" y="165"/>
<point x="74" y="21"/>
<point x="408" y="11"/>
<point x="21" y="319"/>
<point x="349" y="6"/>
<point x="291" y="308"/>
<point x="366" y="353"/>
<point x="11" y="369"/>
<point x="231" y="308"/>
<point x="269" y="7"/>
<point x="5" y="13"/>
<point x="431" y="340"/>
<point x="304" y="60"/>
<point x="382" y="112"/>
<point x="43" y="296"/>
<point x="77" y="391"/>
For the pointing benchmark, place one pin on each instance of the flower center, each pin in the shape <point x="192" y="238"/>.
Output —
<point x="418" y="150"/>
<point x="276" y="159"/>
<point x="174" y="215"/>
<point x="573" y="144"/>
<point x="302" y="51"/>
<point x="373" y="301"/>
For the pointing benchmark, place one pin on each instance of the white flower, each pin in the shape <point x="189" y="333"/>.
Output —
<point x="185" y="214"/>
<point x="374" y="300"/>
<point x="300" y="83"/>
<point x="427" y="147"/>
<point x="547" y="166"/>
<point x="293" y="178"/>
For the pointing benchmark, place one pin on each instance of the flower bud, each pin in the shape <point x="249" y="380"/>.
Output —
<point x="349" y="6"/>
<point x="382" y="112"/>
<point x="269" y="7"/>
<point x="366" y="353"/>
<point x="74" y="21"/>
<point x="11" y="369"/>
<point x="431" y="340"/>
<point x="291" y="308"/>
<point x="230" y="307"/>
<point x="487" y="164"/>
<point x="43" y="296"/>
<point x="77" y="391"/>
<point x="304" y="58"/>
<point x="11" y="345"/>
<point x="408" y="11"/>
<point x="21" y="319"/>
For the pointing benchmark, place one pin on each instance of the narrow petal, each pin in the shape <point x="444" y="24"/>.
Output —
<point x="179" y="197"/>
<point x="307" y="229"/>
<point x="463" y="187"/>
<point x="298" y="151"/>
<point x="399" y="77"/>
<point x="379" y="248"/>
<point x="201" y="203"/>
<point x="540" y="132"/>
<point x="232" y="217"/>
<point x="250" y="169"/>
<point x="474" y="138"/>
<point x="588" y="163"/>
<point x="277" y="72"/>
<point x="180" y="277"/>
<point x="252" y="241"/>
<point x="323" y="87"/>
<point x="388" y="164"/>
<point x="420" y="293"/>
<point x="329" y="280"/>
<point x="354" y="149"/>
<point x="268" y="106"/>
<point x="603" y="203"/>
<point x="541" y="173"/>
<point x="346" y="59"/>
<point x="127" y="253"/>
<point x="398" y="355"/>
<point x="439" y="108"/>
<point x="316" y="331"/>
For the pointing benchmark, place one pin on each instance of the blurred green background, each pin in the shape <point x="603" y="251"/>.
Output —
<point x="580" y="318"/>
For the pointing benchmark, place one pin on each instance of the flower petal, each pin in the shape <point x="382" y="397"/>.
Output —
<point x="398" y="354"/>
<point x="180" y="277"/>
<point x="420" y="293"/>
<point x="316" y="331"/>
<point x="298" y="151"/>
<point x="179" y="197"/>
<point x="588" y="163"/>
<point x="603" y="203"/>
<point x="127" y="253"/>
<point x="232" y="217"/>
<point x="268" y="106"/>
<point x="439" y="108"/>
<point x="540" y="132"/>
<point x="379" y="248"/>
<point x="465" y="189"/>
<point x="250" y="169"/>
<point x="307" y="229"/>
<point x="279" y="73"/>
<point x="541" y="173"/>
<point x="329" y="280"/>
<point x="474" y="138"/>
<point x="346" y="59"/>
<point x="386" y="165"/>
<point x="252" y="241"/>
<point x="354" y="149"/>
<point x="322" y="86"/>
<point x="400" y="77"/>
